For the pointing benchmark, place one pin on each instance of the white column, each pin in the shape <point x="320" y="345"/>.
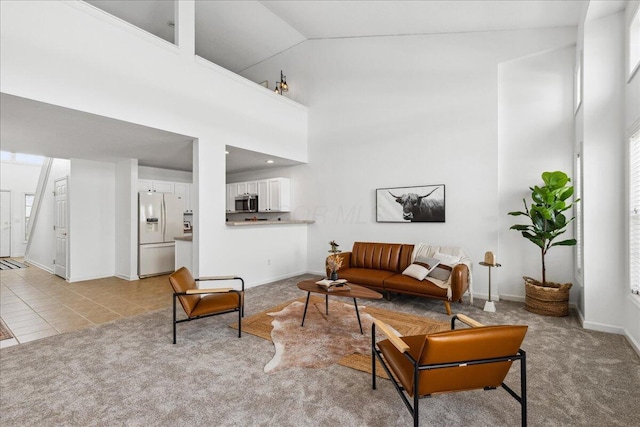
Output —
<point x="186" y="27"/>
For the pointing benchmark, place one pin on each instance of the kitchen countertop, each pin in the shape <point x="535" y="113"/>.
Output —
<point x="188" y="238"/>
<point x="276" y="222"/>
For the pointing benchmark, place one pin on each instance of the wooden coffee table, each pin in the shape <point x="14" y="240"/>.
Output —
<point x="356" y="291"/>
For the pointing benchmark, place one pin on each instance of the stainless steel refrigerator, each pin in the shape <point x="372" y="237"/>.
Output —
<point x="160" y="221"/>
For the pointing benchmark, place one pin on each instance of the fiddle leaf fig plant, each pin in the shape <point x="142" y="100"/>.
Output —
<point x="546" y="214"/>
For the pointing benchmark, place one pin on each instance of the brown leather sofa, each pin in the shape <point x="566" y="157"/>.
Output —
<point x="379" y="266"/>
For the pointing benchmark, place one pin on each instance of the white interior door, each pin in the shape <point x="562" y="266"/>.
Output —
<point x="61" y="227"/>
<point x="5" y="224"/>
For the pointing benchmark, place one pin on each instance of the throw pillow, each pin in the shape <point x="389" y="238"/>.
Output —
<point x="416" y="271"/>
<point x="441" y="272"/>
<point x="449" y="260"/>
<point x="428" y="263"/>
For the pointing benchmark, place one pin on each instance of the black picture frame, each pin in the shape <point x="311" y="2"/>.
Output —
<point x="420" y="203"/>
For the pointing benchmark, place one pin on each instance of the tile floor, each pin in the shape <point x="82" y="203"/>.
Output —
<point x="35" y="304"/>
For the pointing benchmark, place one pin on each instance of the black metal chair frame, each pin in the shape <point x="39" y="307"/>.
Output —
<point x="239" y="309"/>
<point x="413" y="410"/>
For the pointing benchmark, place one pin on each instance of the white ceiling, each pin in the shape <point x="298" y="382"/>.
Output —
<point x="239" y="34"/>
<point x="33" y="127"/>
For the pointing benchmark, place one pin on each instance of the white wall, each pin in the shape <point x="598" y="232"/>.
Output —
<point x="92" y="229"/>
<point x="48" y="53"/>
<point x="403" y="111"/>
<point x="126" y="224"/>
<point x="146" y="172"/>
<point x="535" y="120"/>
<point x="18" y="178"/>
<point x="631" y="319"/>
<point x="43" y="243"/>
<point x="604" y="172"/>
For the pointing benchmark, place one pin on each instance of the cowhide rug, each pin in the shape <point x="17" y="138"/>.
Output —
<point x="323" y="340"/>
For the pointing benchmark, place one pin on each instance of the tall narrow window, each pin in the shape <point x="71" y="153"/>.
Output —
<point x="634" y="43"/>
<point x="577" y="83"/>
<point x="28" y="204"/>
<point x="634" y="214"/>
<point x="577" y="184"/>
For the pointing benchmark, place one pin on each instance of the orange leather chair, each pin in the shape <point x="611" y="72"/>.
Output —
<point x="456" y="360"/>
<point x="199" y="303"/>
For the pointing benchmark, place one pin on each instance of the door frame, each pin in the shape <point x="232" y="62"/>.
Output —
<point x="10" y="219"/>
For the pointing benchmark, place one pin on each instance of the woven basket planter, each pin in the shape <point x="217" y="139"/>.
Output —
<point x="552" y="299"/>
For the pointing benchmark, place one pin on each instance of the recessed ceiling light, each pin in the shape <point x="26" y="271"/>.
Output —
<point x="269" y="161"/>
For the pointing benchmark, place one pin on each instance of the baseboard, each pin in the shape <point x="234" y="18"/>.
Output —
<point x="494" y="298"/>
<point x="127" y="278"/>
<point x="319" y="273"/>
<point x="601" y="327"/>
<point x="634" y="344"/>
<point x="275" y="279"/>
<point x="40" y="266"/>
<point x="516" y="298"/>
<point x="82" y="279"/>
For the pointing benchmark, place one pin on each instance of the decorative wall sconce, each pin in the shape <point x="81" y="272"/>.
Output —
<point x="282" y="86"/>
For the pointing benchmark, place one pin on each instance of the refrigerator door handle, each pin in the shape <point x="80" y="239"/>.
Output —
<point x="164" y="220"/>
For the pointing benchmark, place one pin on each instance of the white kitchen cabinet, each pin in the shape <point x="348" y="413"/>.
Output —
<point x="242" y="187"/>
<point x="274" y="195"/>
<point x="145" y="185"/>
<point x="152" y="185"/>
<point x="232" y="192"/>
<point x="163" y="186"/>
<point x="263" y="195"/>
<point x="184" y="189"/>
<point x="252" y="187"/>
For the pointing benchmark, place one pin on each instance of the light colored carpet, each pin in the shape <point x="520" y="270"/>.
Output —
<point x="128" y="373"/>
<point x="328" y="339"/>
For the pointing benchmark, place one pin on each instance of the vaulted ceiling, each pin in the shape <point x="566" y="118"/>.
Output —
<point x="239" y="34"/>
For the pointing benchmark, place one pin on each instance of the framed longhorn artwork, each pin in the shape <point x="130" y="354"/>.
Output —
<point x="410" y="204"/>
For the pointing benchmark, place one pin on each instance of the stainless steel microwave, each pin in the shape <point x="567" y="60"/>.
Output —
<point x="247" y="203"/>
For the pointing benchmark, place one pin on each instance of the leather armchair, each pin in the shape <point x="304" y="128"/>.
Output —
<point x="456" y="360"/>
<point x="199" y="303"/>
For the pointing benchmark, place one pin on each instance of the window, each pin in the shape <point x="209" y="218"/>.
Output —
<point x="577" y="83"/>
<point x="634" y="214"/>
<point x="634" y="43"/>
<point x="577" y="185"/>
<point x="28" y="204"/>
<point x="29" y="159"/>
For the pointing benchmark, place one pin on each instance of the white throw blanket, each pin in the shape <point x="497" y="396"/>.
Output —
<point x="426" y="251"/>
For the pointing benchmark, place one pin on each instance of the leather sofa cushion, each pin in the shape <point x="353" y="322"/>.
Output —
<point x="216" y="302"/>
<point x="377" y="256"/>
<point x="409" y="285"/>
<point x="364" y="276"/>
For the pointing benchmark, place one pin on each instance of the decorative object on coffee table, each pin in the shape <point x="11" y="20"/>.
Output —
<point x="334" y="261"/>
<point x="490" y="261"/>
<point x="547" y="223"/>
